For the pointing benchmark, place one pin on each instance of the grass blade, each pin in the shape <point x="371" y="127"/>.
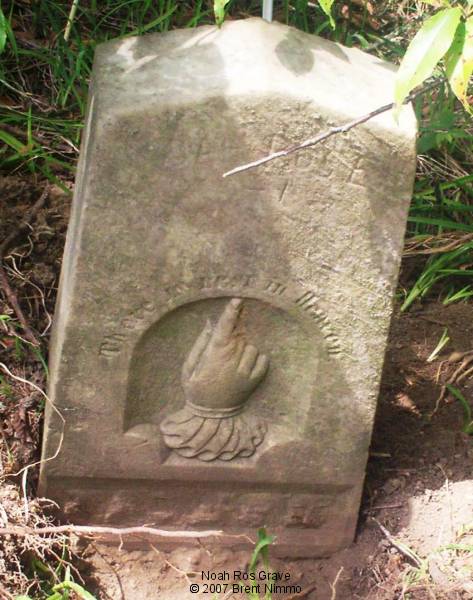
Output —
<point x="444" y="339"/>
<point x="444" y="223"/>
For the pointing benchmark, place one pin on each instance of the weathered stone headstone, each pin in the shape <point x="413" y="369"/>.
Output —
<point x="218" y="342"/>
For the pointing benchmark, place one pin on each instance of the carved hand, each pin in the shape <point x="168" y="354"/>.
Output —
<point x="222" y="370"/>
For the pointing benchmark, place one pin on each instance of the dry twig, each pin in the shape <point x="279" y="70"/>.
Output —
<point x="416" y="247"/>
<point x="458" y="375"/>
<point x="403" y="549"/>
<point x="85" y="530"/>
<point x="70" y="20"/>
<point x="6" y="593"/>
<point x="321" y="137"/>
<point x="333" y="585"/>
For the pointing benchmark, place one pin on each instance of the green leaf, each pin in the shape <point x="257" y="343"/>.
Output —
<point x="326" y="6"/>
<point x="75" y="587"/>
<point x="459" y="61"/>
<point x="3" y="31"/>
<point x="446" y="223"/>
<point x="12" y="141"/>
<point x="437" y="3"/>
<point x="429" y="45"/>
<point x="219" y="11"/>
<point x="261" y="548"/>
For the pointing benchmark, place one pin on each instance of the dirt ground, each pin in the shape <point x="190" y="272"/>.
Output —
<point x="415" y="535"/>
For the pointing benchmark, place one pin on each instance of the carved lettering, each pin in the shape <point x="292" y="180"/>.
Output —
<point x="175" y="290"/>
<point x="307" y="511"/>
<point x="275" y="288"/>
<point x="307" y="300"/>
<point x="137" y="318"/>
<point x="111" y="345"/>
<point x="283" y="191"/>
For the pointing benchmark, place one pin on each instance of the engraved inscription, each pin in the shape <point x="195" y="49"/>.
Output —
<point x="218" y="377"/>
<point x="147" y="311"/>
<point x="227" y="281"/>
<point x="111" y="344"/>
<point x="282" y="191"/>
<point x="308" y="302"/>
<point x="276" y="288"/>
<point x="307" y="510"/>
<point x="294" y="511"/>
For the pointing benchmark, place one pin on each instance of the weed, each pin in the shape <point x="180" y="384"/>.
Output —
<point x="260" y="552"/>
<point x="19" y="348"/>
<point x="449" y="264"/>
<point x="61" y="590"/>
<point x="444" y="339"/>
<point x="451" y="560"/>
<point x="433" y="211"/>
<point x="39" y="355"/>
<point x="455" y="296"/>
<point x="6" y="389"/>
<point x="46" y="66"/>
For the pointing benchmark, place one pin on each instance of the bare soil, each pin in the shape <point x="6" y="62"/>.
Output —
<point x="419" y="485"/>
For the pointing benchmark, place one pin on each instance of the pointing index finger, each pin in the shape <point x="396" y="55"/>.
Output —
<point x="228" y="320"/>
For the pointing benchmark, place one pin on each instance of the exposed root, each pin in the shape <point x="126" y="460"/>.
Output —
<point x="18" y="554"/>
<point x="457" y="376"/>
<point x="333" y="585"/>
<point x="89" y="530"/>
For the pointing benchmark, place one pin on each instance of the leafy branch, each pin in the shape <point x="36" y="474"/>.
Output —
<point x="447" y="35"/>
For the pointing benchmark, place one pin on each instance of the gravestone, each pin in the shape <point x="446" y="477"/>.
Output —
<point x="218" y="342"/>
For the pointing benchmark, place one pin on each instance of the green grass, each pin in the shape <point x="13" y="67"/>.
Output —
<point x="260" y="554"/>
<point x="45" y="78"/>
<point x="59" y="591"/>
<point x="440" y="213"/>
<point x="448" y="266"/>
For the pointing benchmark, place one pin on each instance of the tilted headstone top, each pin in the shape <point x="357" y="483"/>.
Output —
<point x="218" y="342"/>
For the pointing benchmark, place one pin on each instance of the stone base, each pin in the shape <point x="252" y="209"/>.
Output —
<point x="305" y="523"/>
